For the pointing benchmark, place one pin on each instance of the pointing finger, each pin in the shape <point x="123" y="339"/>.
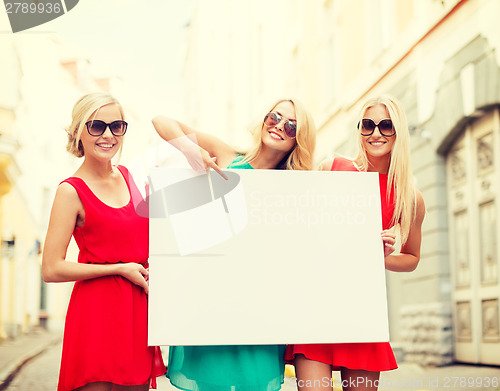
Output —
<point x="219" y="170"/>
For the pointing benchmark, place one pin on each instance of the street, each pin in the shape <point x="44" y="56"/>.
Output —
<point x="41" y="374"/>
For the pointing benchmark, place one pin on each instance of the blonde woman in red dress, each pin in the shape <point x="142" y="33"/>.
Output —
<point x="383" y="148"/>
<point x="105" y="337"/>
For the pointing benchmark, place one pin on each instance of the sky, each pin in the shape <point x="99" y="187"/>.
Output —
<point x="141" y="42"/>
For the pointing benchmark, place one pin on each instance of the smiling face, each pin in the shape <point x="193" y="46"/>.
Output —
<point x="105" y="146"/>
<point x="378" y="147"/>
<point x="274" y="137"/>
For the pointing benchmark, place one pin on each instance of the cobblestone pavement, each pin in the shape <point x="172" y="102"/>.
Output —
<point x="41" y="374"/>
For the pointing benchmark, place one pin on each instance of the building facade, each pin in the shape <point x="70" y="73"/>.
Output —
<point x="9" y="171"/>
<point x="43" y="77"/>
<point x="36" y="70"/>
<point x="441" y="59"/>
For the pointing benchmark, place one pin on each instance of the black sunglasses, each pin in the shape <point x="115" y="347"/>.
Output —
<point x="385" y="127"/>
<point x="273" y="119"/>
<point x="98" y="127"/>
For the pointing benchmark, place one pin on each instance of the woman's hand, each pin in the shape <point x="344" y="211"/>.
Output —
<point x="389" y="239"/>
<point x="135" y="273"/>
<point x="409" y="255"/>
<point x="202" y="161"/>
<point x="198" y="158"/>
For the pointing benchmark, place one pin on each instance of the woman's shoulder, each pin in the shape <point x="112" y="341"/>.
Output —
<point x="67" y="194"/>
<point x="239" y="161"/>
<point x="66" y="188"/>
<point x="326" y="164"/>
<point x="121" y="168"/>
<point x="337" y="163"/>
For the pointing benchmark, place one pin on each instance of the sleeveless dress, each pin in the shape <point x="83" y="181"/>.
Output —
<point x="105" y="335"/>
<point x="231" y="367"/>
<point x="371" y="356"/>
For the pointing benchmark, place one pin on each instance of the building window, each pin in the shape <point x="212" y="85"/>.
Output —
<point x="379" y="27"/>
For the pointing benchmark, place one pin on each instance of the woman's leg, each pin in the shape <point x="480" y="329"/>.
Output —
<point x="312" y="375"/>
<point x="96" y="386"/>
<point x="359" y="380"/>
<point x="144" y="387"/>
<point x="105" y="386"/>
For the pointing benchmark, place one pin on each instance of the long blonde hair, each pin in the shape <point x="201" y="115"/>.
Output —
<point x="301" y="155"/>
<point x="400" y="177"/>
<point x="82" y="111"/>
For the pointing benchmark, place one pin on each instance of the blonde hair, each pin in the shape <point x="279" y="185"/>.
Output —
<point x="82" y="111"/>
<point x="300" y="156"/>
<point x="400" y="177"/>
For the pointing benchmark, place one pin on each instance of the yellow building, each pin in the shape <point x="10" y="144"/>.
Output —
<point x="9" y="171"/>
<point x="42" y="77"/>
<point x="37" y="86"/>
<point x="441" y="59"/>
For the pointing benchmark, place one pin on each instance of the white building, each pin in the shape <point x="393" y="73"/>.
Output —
<point x="441" y="59"/>
<point x="43" y="78"/>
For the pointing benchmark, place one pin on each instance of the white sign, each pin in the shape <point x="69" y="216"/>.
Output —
<point x="267" y="257"/>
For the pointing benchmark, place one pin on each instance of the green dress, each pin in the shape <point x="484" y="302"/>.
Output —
<point x="231" y="367"/>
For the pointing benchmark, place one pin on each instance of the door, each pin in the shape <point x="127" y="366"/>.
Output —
<point x="473" y="170"/>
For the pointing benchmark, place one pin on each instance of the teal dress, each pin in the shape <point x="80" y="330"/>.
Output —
<point x="231" y="367"/>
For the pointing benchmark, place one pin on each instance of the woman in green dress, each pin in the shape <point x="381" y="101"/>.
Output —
<point x="285" y="139"/>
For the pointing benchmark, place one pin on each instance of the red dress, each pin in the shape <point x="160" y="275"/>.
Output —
<point x="105" y="336"/>
<point x="371" y="356"/>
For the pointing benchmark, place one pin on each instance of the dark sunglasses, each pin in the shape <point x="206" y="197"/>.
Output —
<point x="385" y="127"/>
<point x="290" y="128"/>
<point x="98" y="127"/>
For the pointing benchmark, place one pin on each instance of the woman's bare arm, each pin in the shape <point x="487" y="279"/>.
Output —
<point x="201" y="149"/>
<point x="65" y="210"/>
<point x="409" y="256"/>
